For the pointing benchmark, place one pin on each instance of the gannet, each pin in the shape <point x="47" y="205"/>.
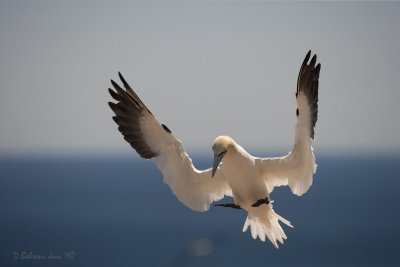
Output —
<point x="235" y="173"/>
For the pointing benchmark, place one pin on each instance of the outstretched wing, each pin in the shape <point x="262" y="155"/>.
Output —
<point x="297" y="168"/>
<point x="152" y="140"/>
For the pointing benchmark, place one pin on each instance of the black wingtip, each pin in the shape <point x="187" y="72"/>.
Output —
<point x="307" y="56"/>
<point x="313" y="60"/>
<point x="114" y="84"/>
<point x="305" y="60"/>
<point x="126" y="85"/>
<point x="115" y="119"/>
<point x="112" y="105"/>
<point x="318" y="68"/>
<point x="113" y="94"/>
<point x="120" y="76"/>
<point x="308" y="82"/>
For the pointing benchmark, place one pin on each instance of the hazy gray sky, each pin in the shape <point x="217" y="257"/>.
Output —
<point x="204" y="69"/>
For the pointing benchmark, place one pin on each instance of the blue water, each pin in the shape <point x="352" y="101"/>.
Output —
<point x="116" y="211"/>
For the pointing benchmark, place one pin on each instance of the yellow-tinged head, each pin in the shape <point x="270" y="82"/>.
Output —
<point x="222" y="144"/>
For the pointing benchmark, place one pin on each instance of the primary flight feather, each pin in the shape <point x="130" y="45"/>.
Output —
<point x="235" y="173"/>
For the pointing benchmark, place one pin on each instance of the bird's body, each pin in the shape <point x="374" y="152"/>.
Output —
<point x="243" y="177"/>
<point x="236" y="173"/>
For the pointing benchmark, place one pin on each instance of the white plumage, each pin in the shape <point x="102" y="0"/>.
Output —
<point x="236" y="173"/>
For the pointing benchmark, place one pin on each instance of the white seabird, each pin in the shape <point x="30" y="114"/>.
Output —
<point x="236" y="173"/>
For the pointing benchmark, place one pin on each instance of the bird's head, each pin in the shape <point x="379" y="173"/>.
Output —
<point x="221" y="146"/>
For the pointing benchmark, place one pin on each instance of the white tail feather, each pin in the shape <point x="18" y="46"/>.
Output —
<point x="263" y="221"/>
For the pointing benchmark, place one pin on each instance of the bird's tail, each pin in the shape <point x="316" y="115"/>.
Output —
<point x="263" y="221"/>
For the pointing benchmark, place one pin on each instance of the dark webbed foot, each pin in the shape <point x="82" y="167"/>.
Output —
<point x="260" y="202"/>
<point x="229" y="206"/>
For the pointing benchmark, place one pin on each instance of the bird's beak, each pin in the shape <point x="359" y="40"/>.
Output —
<point x="217" y="161"/>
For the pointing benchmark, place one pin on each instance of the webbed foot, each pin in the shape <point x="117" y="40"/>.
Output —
<point x="260" y="202"/>
<point x="231" y="205"/>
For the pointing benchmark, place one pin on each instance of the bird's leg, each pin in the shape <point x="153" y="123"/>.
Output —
<point x="231" y="205"/>
<point x="260" y="202"/>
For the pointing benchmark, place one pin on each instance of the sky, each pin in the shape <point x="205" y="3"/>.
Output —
<point x="203" y="69"/>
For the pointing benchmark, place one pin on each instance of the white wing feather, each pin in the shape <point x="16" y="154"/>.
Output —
<point x="297" y="168"/>
<point x="196" y="189"/>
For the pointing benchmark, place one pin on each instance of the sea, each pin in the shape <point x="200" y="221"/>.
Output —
<point x="117" y="211"/>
